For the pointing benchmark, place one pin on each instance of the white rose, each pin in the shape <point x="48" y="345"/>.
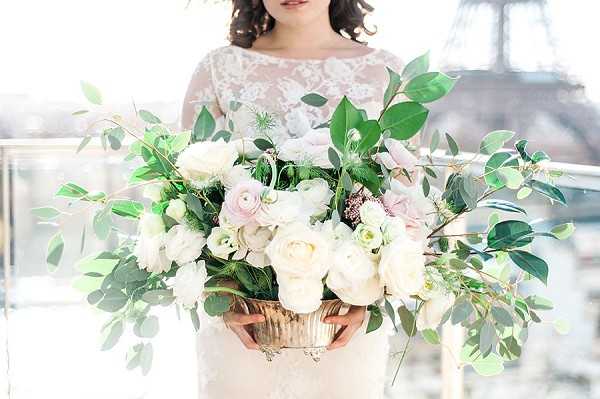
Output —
<point x="253" y="240"/>
<point x="299" y="251"/>
<point x="432" y="311"/>
<point x="236" y="175"/>
<point x="206" y="161"/>
<point x="353" y="275"/>
<point x="288" y="207"/>
<point x="393" y="227"/>
<point x="184" y="245"/>
<point x="151" y="224"/>
<point x="368" y="237"/>
<point x="150" y="253"/>
<point x="222" y="242"/>
<point x="300" y="295"/>
<point x="317" y="193"/>
<point x="372" y="213"/>
<point x="402" y="267"/>
<point x="189" y="284"/>
<point x="153" y="192"/>
<point x="176" y="209"/>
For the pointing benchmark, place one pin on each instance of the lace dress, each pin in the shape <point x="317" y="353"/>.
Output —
<point x="231" y="82"/>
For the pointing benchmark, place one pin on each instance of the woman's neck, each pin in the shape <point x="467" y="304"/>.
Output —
<point x="316" y="35"/>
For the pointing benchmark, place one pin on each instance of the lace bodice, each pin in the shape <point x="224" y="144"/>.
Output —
<point x="229" y="76"/>
<point x="229" y="81"/>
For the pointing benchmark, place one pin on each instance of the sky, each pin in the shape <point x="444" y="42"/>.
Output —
<point x="145" y="50"/>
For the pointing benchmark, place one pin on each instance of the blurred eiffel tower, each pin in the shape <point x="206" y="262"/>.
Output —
<point x="511" y="78"/>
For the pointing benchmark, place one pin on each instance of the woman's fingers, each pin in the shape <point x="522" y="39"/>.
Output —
<point x="344" y="337"/>
<point x="355" y="315"/>
<point x="242" y="319"/>
<point x="245" y="337"/>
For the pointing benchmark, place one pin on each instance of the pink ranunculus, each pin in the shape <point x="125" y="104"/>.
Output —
<point x="242" y="202"/>
<point x="402" y="206"/>
<point x="397" y="157"/>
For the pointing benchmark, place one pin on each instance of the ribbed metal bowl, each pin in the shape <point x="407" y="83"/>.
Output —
<point x="284" y="329"/>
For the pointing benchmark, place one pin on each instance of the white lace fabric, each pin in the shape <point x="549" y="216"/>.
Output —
<point x="224" y="79"/>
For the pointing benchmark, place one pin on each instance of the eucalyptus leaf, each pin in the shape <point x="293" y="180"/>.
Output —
<point x="114" y="300"/>
<point x="334" y="158"/>
<point x="494" y="141"/>
<point x="502" y="316"/>
<point x="181" y="141"/>
<point x="431" y="337"/>
<point x="407" y="320"/>
<point x="216" y="305"/>
<point x="148" y="116"/>
<point x="56" y="246"/>
<point x="435" y="141"/>
<point x="146" y="356"/>
<point x="46" y="212"/>
<point x="149" y="327"/>
<point x="314" y="99"/>
<point x="452" y="145"/>
<point x="461" y="311"/>
<point x="487" y="336"/>
<point x="375" y="318"/>
<point x="116" y="331"/>
<point x="489" y="366"/>
<point x="84" y="142"/>
<point x="91" y="93"/>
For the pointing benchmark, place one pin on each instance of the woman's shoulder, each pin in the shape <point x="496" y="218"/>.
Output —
<point x="390" y="59"/>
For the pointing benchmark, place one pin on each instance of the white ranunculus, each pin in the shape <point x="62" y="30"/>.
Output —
<point x="336" y="231"/>
<point x="300" y="295"/>
<point x="184" y="245"/>
<point x="253" y="241"/>
<point x="372" y="213"/>
<point x="237" y="174"/>
<point x="287" y="208"/>
<point x="368" y="237"/>
<point x="317" y="193"/>
<point x="206" y="161"/>
<point x="176" y="209"/>
<point x="222" y="242"/>
<point x="296" y="250"/>
<point x="151" y="224"/>
<point x="189" y="284"/>
<point x="297" y="123"/>
<point x="150" y="253"/>
<point x="153" y="192"/>
<point x="432" y="311"/>
<point x="353" y="275"/>
<point x="402" y="267"/>
<point x="312" y="148"/>
<point x="245" y="146"/>
<point x="392" y="228"/>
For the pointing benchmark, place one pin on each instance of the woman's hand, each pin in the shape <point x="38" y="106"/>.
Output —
<point x="351" y="322"/>
<point x="241" y="325"/>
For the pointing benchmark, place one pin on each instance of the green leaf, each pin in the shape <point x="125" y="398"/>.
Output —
<point x="216" y="305"/>
<point x="158" y="297"/>
<point x="102" y="223"/>
<point x="195" y="205"/>
<point x="494" y="141"/>
<point x="80" y="112"/>
<point x="116" y="331"/>
<point x="194" y="317"/>
<point x="511" y="177"/>
<point x="71" y="190"/>
<point x="146" y="356"/>
<point x="563" y="231"/>
<point x="487" y="337"/>
<point x="392" y="88"/>
<point x="469" y="190"/>
<point x="452" y="145"/>
<point x="461" y="311"/>
<point x="404" y="119"/>
<point x="375" y="318"/>
<point x="347" y="181"/>
<point x="431" y="337"/>
<point x="91" y="92"/>
<point x="521" y="146"/>
<point x="204" y="126"/>
<point x="370" y="133"/>
<point x="148" y="116"/>
<point x="435" y="141"/>
<point x="181" y="141"/>
<point x="95" y="296"/>
<point x="56" y="245"/>
<point x="523" y="193"/>
<point x="489" y="366"/>
<point x="345" y="117"/>
<point x="46" y="212"/>
<point x="127" y="208"/>
<point x="84" y="142"/>
<point x="531" y="264"/>
<point x="502" y="316"/>
<point x="389" y="309"/>
<point x="563" y="327"/>
<point x="539" y="156"/>
<point x="314" y="99"/>
<point x="501" y="205"/>
<point x="538" y="302"/>
<point x="130" y="272"/>
<point x="263" y="144"/>
<point x="426" y="186"/>
<point x="334" y="158"/>
<point x="114" y="300"/>
<point x="149" y="327"/>
<point x="418" y="66"/>
<point x="102" y="263"/>
<point x="222" y="135"/>
<point x="509" y="234"/>
<point x="457" y="264"/>
<point x="496" y="161"/>
<point x="429" y="87"/>
<point x="548" y="190"/>
<point x="407" y="320"/>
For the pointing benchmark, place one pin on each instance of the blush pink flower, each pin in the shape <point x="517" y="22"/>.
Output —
<point x="397" y="157"/>
<point x="403" y="207"/>
<point x="243" y="201"/>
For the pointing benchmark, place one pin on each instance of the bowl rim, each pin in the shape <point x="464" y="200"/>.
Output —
<point x="270" y="301"/>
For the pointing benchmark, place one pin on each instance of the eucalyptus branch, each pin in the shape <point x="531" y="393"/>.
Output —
<point x="412" y="332"/>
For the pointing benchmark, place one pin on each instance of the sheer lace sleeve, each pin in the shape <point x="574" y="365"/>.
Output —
<point x="201" y="91"/>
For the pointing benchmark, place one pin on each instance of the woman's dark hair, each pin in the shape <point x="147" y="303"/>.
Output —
<point x="250" y="19"/>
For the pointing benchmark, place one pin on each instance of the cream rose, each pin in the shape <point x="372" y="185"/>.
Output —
<point x="207" y="161"/>
<point x="176" y="209"/>
<point x="222" y="242"/>
<point x="317" y="193"/>
<point x="372" y="213"/>
<point x="392" y="228"/>
<point x="253" y="241"/>
<point x="402" y="267"/>
<point x="296" y="250"/>
<point x="184" y="245"/>
<point x="432" y="311"/>
<point x="300" y="295"/>
<point x="189" y="284"/>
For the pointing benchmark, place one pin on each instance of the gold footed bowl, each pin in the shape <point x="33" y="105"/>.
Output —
<point x="284" y="329"/>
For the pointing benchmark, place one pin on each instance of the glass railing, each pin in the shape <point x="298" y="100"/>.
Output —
<point x="49" y="336"/>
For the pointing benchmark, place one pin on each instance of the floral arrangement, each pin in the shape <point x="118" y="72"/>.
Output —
<point x="345" y="211"/>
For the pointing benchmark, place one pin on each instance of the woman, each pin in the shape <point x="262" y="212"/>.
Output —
<point x="280" y="51"/>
